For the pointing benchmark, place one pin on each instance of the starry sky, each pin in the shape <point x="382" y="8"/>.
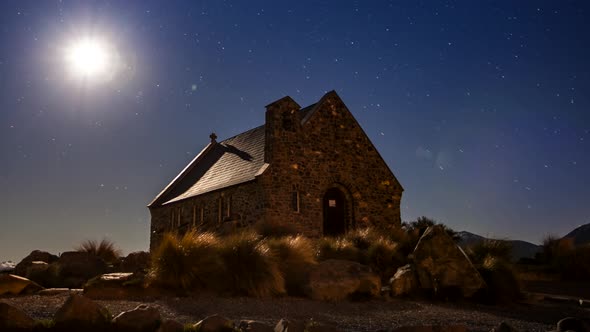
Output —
<point x="480" y="108"/>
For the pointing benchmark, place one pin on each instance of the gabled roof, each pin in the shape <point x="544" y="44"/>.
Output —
<point x="233" y="161"/>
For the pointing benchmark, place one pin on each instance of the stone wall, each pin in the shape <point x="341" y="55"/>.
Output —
<point x="203" y="212"/>
<point x="329" y="149"/>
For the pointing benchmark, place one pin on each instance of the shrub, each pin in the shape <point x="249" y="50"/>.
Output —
<point x="189" y="262"/>
<point x="104" y="249"/>
<point x="362" y="238"/>
<point x="384" y="257"/>
<point x="422" y="223"/>
<point x="503" y="284"/>
<point x="498" y="249"/>
<point x="338" y="248"/>
<point x="253" y="268"/>
<point x="295" y="256"/>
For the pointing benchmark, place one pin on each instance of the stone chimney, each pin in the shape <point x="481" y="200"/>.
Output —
<point x="283" y="123"/>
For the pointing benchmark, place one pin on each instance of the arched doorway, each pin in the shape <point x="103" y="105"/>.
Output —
<point x="335" y="212"/>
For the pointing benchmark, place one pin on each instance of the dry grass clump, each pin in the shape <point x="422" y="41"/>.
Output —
<point x="188" y="262"/>
<point x="337" y="248"/>
<point x="490" y="247"/>
<point x="253" y="268"/>
<point x="502" y="281"/>
<point x="241" y="263"/>
<point x="492" y="258"/>
<point x="562" y="256"/>
<point x="365" y="246"/>
<point x="296" y="257"/>
<point x="104" y="249"/>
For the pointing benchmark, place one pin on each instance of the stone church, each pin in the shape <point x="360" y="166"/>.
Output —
<point x="313" y="168"/>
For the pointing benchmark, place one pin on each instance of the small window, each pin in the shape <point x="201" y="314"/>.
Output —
<point x="228" y="206"/>
<point x="194" y="216"/>
<point x="202" y="217"/>
<point x="288" y="124"/>
<point x="295" y="202"/>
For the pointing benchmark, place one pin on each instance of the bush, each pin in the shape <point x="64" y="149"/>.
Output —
<point x="503" y="284"/>
<point x="253" y="268"/>
<point x="104" y="249"/>
<point x="189" y="262"/>
<point x="498" y="249"/>
<point x="295" y="256"/>
<point x="362" y="238"/>
<point x="384" y="258"/>
<point x="338" y="248"/>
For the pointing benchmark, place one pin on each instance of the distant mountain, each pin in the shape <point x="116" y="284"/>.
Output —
<point x="520" y="249"/>
<point x="581" y="235"/>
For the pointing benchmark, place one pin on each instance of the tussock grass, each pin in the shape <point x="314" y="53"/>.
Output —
<point x="490" y="247"/>
<point x="503" y="284"/>
<point x="104" y="249"/>
<point x="296" y="256"/>
<point x="337" y="248"/>
<point x="189" y="262"/>
<point x="252" y="265"/>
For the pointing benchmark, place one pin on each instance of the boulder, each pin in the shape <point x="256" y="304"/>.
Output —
<point x="41" y="273"/>
<point x="115" y="286"/>
<point x="135" y="261"/>
<point x="572" y="324"/>
<point x="54" y="291"/>
<point x="287" y="325"/>
<point x="170" y="325"/>
<point x="76" y="267"/>
<point x="34" y="256"/>
<point x="14" y="319"/>
<point x="144" y="318"/>
<point x="335" y="280"/>
<point x="404" y="282"/>
<point x="215" y="323"/>
<point x="442" y="265"/>
<point x="80" y="313"/>
<point x="13" y="284"/>
<point x="254" y="326"/>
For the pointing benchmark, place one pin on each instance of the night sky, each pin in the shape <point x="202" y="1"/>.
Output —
<point x="480" y="108"/>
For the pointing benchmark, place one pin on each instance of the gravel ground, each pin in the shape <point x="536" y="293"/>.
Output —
<point x="349" y="316"/>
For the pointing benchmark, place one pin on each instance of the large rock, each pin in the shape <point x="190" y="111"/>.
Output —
<point x="254" y="326"/>
<point x="215" y="323"/>
<point x="404" y="282"/>
<point x="442" y="266"/>
<point x="144" y="318"/>
<point x="115" y="286"/>
<point x="76" y="267"/>
<point x="13" y="284"/>
<point x="573" y="324"/>
<point x="135" y="261"/>
<point x="335" y="280"/>
<point x="14" y="319"/>
<point x="34" y="256"/>
<point x="80" y="313"/>
<point x="290" y="325"/>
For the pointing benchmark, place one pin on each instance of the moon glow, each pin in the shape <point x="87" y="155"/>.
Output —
<point x="89" y="58"/>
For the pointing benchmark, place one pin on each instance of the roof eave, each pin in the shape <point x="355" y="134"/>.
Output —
<point x="182" y="174"/>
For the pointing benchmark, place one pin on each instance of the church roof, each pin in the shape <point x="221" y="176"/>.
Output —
<point x="230" y="162"/>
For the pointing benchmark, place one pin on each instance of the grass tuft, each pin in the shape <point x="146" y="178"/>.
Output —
<point x="253" y="265"/>
<point x="296" y="256"/>
<point x="104" y="249"/>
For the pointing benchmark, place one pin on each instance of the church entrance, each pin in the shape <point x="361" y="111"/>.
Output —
<point x="335" y="212"/>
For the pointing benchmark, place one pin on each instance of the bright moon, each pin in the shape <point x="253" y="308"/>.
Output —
<point x="89" y="58"/>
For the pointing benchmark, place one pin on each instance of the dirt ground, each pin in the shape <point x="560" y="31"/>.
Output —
<point x="371" y="315"/>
